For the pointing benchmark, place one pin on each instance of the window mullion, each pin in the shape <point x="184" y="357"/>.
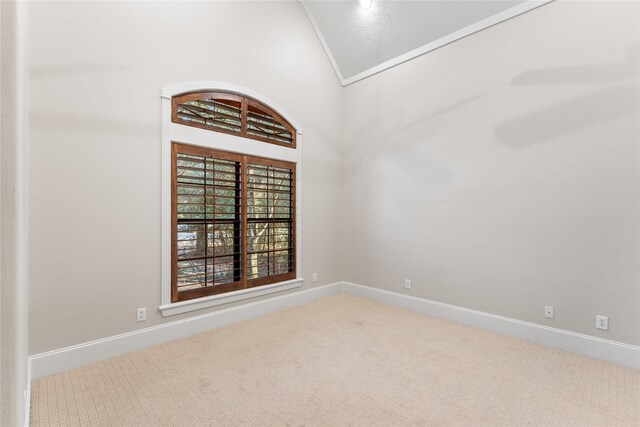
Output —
<point x="243" y="117"/>
<point x="243" y="211"/>
<point x="237" y="226"/>
<point x="205" y="224"/>
<point x="270" y="226"/>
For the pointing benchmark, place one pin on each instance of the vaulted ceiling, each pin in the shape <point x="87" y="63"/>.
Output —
<point x="362" y="38"/>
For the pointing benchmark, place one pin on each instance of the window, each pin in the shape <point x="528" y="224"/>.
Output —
<point x="234" y="114"/>
<point x="231" y="195"/>
<point x="233" y="222"/>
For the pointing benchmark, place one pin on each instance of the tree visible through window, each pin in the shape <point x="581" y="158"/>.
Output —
<point x="233" y="215"/>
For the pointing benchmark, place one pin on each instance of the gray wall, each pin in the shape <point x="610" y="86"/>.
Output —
<point x="96" y="74"/>
<point x="501" y="172"/>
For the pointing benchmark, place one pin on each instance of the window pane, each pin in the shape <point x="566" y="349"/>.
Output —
<point x="233" y="113"/>
<point x="208" y="210"/>
<point x="269" y="221"/>
<point x="217" y="114"/>
<point x="210" y="213"/>
<point x="264" y="125"/>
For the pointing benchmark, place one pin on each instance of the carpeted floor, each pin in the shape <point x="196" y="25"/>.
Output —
<point x="342" y="361"/>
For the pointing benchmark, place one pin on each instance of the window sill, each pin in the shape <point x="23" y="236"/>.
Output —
<point x="200" y="303"/>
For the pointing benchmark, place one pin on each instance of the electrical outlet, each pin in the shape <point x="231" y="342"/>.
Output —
<point x="407" y="283"/>
<point x="602" y="322"/>
<point x="141" y="314"/>
<point x="548" y="312"/>
<point x="315" y="277"/>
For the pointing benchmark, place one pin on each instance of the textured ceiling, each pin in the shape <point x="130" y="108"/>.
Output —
<point x="361" y="42"/>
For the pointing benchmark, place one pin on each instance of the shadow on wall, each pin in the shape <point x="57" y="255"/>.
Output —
<point x="387" y="162"/>
<point x="427" y="172"/>
<point x="597" y="73"/>
<point x="443" y="111"/>
<point x="570" y="116"/>
<point x="406" y="174"/>
<point x="72" y="69"/>
<point x="91" y="125"/>
<point x="392" y="127"/>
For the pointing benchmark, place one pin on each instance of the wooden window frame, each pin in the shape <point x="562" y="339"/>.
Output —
<point x="244" y="283"/>
<point x="245" y="103"/>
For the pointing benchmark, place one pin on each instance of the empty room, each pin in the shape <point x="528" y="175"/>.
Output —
<point x="320" y="213"/>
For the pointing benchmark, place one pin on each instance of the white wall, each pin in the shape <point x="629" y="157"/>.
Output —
<point x="96" y="74"/>
<point x="501" y="172"/>
<point x="13" y="211"/>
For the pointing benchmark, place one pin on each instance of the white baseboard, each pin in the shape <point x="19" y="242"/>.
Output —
<point x="61" y="360"/>
<point x="610" y="351"/>
<point x="27" y="396"/>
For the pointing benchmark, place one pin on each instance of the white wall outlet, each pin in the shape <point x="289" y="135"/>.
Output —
<point x="548" y="312"/>
<point x="602" y="322"/>
<point x="141" y="314"/>
<point x="407" y="283"/>
<point x="315" y="277"/>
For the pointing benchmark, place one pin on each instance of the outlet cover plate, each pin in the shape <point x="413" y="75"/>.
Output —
<point x="602" y="322"/>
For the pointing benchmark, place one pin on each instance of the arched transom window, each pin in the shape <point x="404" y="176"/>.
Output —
<point x="234" y="114"/>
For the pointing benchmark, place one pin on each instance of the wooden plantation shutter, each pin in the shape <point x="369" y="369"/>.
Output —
<point x="233" y="222"/>
<point x="234" y="114"/>
<point x="221" y="112"/>
<point x="207" y="215"/>
<point x="266" y="125"/>
<point x="270" y="220"/>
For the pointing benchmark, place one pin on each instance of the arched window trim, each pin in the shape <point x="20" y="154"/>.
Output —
<point x="173" y="132"/>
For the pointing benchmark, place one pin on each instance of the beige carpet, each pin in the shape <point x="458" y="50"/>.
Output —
<point x="342" y="361"/>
